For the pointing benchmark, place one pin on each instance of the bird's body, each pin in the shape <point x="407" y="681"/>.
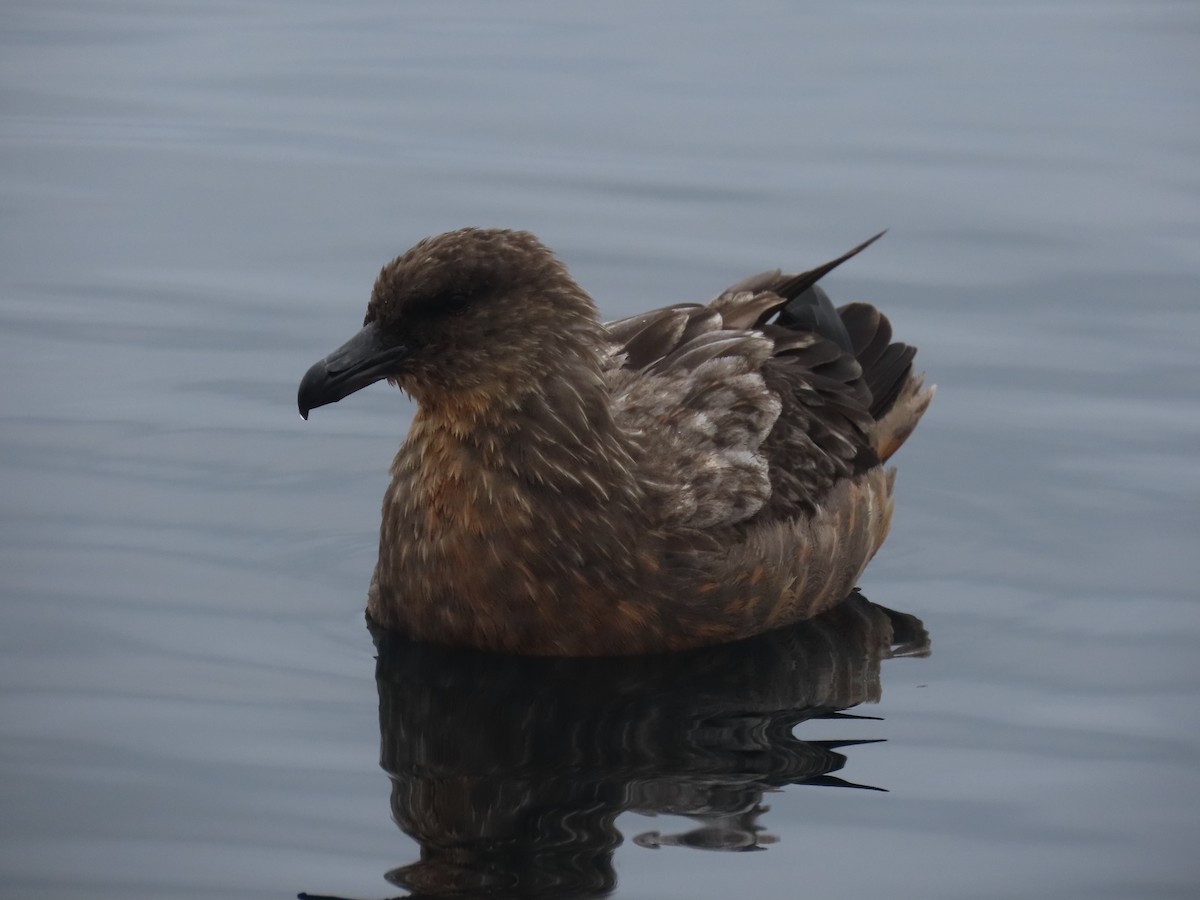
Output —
<point x="689" y="476"/>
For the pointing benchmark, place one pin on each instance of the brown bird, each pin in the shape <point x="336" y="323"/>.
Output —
<point x="688" y="476"/>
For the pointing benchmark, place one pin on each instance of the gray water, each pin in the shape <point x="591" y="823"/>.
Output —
<point x="195" y="199"/>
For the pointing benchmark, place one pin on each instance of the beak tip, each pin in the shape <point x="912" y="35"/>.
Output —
<point x="364" y="359"/>
<point x="301" y="401"/>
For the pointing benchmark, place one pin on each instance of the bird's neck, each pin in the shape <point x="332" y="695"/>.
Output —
<point x="553" y="435"/>
<point x="524" y="495"/>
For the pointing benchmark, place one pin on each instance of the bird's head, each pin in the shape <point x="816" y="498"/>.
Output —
<point x="473" y="316"/>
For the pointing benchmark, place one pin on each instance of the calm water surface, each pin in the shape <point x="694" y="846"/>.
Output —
<point x="195" y="200"/>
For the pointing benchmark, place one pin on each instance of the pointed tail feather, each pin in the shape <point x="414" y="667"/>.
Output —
<point x="808" y="308"/>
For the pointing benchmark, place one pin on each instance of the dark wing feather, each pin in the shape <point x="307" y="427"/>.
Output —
<point x="812" y="310"/>
<point x="623" y="330"/>
<point x="793" y="285"/>
<point x="836" y="371"/>
<point x="886" y="366"/>
<point x="655" y="339"/>
<point x="768" y="394"/>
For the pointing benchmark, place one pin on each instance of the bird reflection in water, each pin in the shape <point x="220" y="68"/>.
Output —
<point x="510" y="772"/>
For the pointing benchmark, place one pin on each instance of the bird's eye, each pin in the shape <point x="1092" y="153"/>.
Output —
<point x="457" y="302"/>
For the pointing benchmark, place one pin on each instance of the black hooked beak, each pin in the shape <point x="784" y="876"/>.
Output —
<point x="362" y="360"/>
